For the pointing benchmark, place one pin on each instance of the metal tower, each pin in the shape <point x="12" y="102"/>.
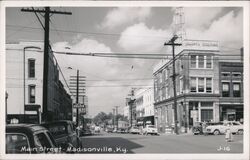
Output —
<point x="179" y="24"/>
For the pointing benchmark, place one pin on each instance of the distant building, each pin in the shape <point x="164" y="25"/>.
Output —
<point x="144" y="101"/>
<point x="24" y="84"/>
<point x="130" y="102"/>
<point x="231" y="91"/>
<point x="197" y="76"/>
<point x="126" y="112"/>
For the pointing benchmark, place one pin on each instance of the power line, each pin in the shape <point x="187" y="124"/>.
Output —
<point x="90" y="33"/>
<point x="130" y="54"/>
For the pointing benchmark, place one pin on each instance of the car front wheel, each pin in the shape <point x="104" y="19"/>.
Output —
<point x="216" y="132"/>
<point x="240" y="131"/>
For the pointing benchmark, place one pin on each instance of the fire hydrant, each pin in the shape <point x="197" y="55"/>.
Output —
<point x="229" y="135"/>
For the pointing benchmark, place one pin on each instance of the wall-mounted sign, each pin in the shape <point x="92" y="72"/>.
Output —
<point x="78" y="105"/>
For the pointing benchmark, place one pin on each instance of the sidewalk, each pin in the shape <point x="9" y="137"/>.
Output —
<point x="189" y="132"/>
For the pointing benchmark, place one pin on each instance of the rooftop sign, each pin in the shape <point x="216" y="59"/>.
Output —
<point x="204" y="45"/>
<point x="200" y="45"/>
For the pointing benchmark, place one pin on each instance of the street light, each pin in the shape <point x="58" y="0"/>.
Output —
<point x="24" y="52"/>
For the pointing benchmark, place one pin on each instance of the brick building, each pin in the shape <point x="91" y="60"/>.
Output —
<point x="197" y="76"/>
<point x="231" y="91"/>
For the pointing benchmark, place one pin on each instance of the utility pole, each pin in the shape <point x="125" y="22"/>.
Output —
<point x="77" y="97"/>
<point x="113" y="117"/>
<point x="47" y="14"/>
<point x="116" y="108"/>
<point x="77" y="85"/>
<point x="173" y="44"/>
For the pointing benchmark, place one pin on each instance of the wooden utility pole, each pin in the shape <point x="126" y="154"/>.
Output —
<point x="47" y="14"/>
<point x="77" y="87"/>
<point x="173" y="44"/>
<point x="116" y="109"/>
<point x="77" y="98"/>
<point x="113" y="118"/>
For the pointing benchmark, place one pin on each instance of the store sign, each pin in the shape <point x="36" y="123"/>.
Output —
<point x="231" y="111"/>
<point x="78" y="105"/>
<point x="200" y="45"/>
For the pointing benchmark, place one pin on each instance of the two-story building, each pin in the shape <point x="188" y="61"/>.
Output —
<point x="197" y="87"/>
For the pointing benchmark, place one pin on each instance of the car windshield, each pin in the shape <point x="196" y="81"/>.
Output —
<point x="16" y="143"/>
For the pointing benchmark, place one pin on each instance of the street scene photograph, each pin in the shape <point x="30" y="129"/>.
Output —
<point x="125" y="80"/>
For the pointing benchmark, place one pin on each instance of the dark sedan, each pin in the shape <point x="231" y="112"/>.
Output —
<point x="64" y="133"/>
<point x="29" y="138"/>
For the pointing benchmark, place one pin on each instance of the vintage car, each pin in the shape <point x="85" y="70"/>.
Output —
<point x="29" y="138"/>
<point x="134" y="130"/>
<point x="109" y="130"/>
<point x="64" y="133"/>
<point x="198" y="127"/>
<point x="234" y="126"/>
<point x="150" y="129"/>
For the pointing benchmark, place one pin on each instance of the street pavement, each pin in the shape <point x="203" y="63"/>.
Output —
<point x="184" y="143"/>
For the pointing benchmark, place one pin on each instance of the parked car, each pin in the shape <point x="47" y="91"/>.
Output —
<point x="234" y="126"/>
<point x="64" y="133"/>
<point x="109" y="130"/>
<point x="198" y="128"/>
<point x="134" y="130"/>
<point x="150" y="129"/>
<point x="97" y="129"/>
<point x="29" y="138"/>
<point x="85" y="132"/>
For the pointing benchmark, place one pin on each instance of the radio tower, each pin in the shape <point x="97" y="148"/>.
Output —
<point x="179" y="24"/>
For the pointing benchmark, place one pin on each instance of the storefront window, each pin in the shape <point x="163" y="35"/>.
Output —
<point x="206" y="115"/>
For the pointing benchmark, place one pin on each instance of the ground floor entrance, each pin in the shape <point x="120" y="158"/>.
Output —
<point x="143" y="121"/>
<point x="189" y="111"/>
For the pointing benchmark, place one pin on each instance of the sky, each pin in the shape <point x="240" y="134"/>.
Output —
<point x="122" y="30"/>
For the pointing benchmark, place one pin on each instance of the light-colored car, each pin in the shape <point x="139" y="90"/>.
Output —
<point x="97" y="129"/>
<point x="134" y="130"/>
<point x="234" y="126"/>
<point x="150" y="129"/>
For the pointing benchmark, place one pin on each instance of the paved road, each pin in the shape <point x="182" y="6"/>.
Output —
<point x="129" y="143"/>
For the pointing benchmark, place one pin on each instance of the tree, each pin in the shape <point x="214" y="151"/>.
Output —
<point x="103" y="118"/>
<point x="100" y="118"/>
